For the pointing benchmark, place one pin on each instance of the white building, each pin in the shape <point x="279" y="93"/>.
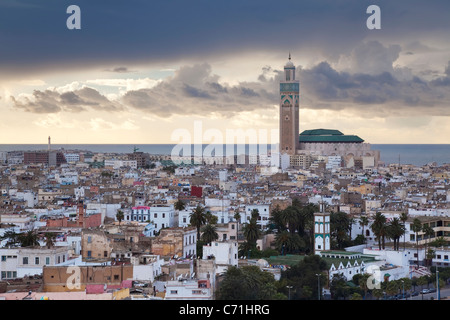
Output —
<point x="146" y="267"/>
<point x="20" y="262"/>
<point x="116" y="164"/>
<point x="184" y="217"/>
<point x="263" y="210"/>
<point x="160" y="216"/>
<point x="224" y="253"/>
<point x="72" y="157"/>
<point x="190" y="289"/>
<point x="333" y="162"/>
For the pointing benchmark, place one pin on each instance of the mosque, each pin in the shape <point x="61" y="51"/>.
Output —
<point x="350" y="149"/>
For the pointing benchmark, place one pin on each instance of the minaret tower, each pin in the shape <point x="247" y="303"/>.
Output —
<point x="321" y="230"/>
<point x="289" y="110"/>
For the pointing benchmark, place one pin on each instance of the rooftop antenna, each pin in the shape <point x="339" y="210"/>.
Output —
<point x="49" y="143"/>
<point x="289" y="55"/>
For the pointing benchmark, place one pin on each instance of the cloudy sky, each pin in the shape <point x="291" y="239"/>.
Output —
<point x="139" y="70"/>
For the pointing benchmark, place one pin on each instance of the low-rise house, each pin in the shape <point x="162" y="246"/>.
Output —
<point x="179" y="242"/>
<point x="225" y="254"/>
<point x="189" y="289"/>
<point x="20" y="262"/>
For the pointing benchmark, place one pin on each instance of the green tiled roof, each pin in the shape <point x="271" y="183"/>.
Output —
<point x="327" y="135"/>
<point x="320" y="132"/>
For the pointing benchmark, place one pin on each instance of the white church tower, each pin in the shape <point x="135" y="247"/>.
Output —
<point x="321" y="231"/>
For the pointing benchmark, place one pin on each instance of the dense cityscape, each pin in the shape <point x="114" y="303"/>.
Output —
<point x="139" y="227"/>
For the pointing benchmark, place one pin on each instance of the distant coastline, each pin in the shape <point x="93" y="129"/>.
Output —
<point x="415" y="154"/>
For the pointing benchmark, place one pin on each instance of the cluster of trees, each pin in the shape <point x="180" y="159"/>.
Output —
<point x="27" y="239"/>
<point x="294" y="228"/>
<point x="301" y="281"/>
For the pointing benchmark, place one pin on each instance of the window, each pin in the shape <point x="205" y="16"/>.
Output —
<point x="116" y="277"/>
<point x="47" y="260"/>
<point x="173" y="291"/>
<point x="196" y="292"/>
<point x="89" y="240"/>
<point x="36" y="260"/>
<point x="3" y="258"/>
<point x="25" y="260"/>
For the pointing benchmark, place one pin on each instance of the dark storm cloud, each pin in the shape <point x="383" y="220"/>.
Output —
<point x="34" y="36"/>
<point x="51" y="101"/>
<point x="195" y="90"/>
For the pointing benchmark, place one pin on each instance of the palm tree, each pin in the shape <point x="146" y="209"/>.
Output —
<point x="210" y="218"/>
<point x="404" y="217"/>
<point x="417" y="227"/>
<point x="12" y="236"/>
<point x="252" y="232"/>
<point x="379" y="229"/>
<point x="28" y="239"/>
<point x="291" y="218"/>
<point x="288" y="242"/>
<point x="363" y="222"/>
<point x="50" y="238"/>
<point x="395" y="230"/>
<point x="198" y="219"/>
<point x="428" y="232"/>
<point x="120" y="215"/>
<point x="209" y="233"/>
<point x="179" y="205"/>
<point x="237" y="216"/>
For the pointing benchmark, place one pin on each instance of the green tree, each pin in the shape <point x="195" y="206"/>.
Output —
<point x="291" y="218"/>
<point x="179" y="205"/>
<point x="13" y="238"/>
<point x="392" y="288"/>
<point x="428" y="233"/>
<point x="379" y="229"/>
<point x="356" y="296"/>
<point x="377" y="293"/>
<point x="209" y="233"/>
<point x="338" y="287"/>
<point x="276" y="219"/>
<point x="439" y="242"/>
<point x="417" y="227"/>
<point x="120" y="216"/>
<point x="340" y="226"/>
<point x="363" y="222"/>
<point x="251" y="232"/>
<point x="302" y="277"/>
<point x="403" y="218"/>
<point x="247" y="283"/>
<point x="28" y="239"/>
<point x="237" y="217"/>
<point x="50" y="238"/>
<point x="198" y="219"/>
<point x="210" y="218"/>
<point x="395" y="230"/>
<point x="287" y="242"/>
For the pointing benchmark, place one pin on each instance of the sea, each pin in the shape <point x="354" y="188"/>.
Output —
<point x="415" y="154"/>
